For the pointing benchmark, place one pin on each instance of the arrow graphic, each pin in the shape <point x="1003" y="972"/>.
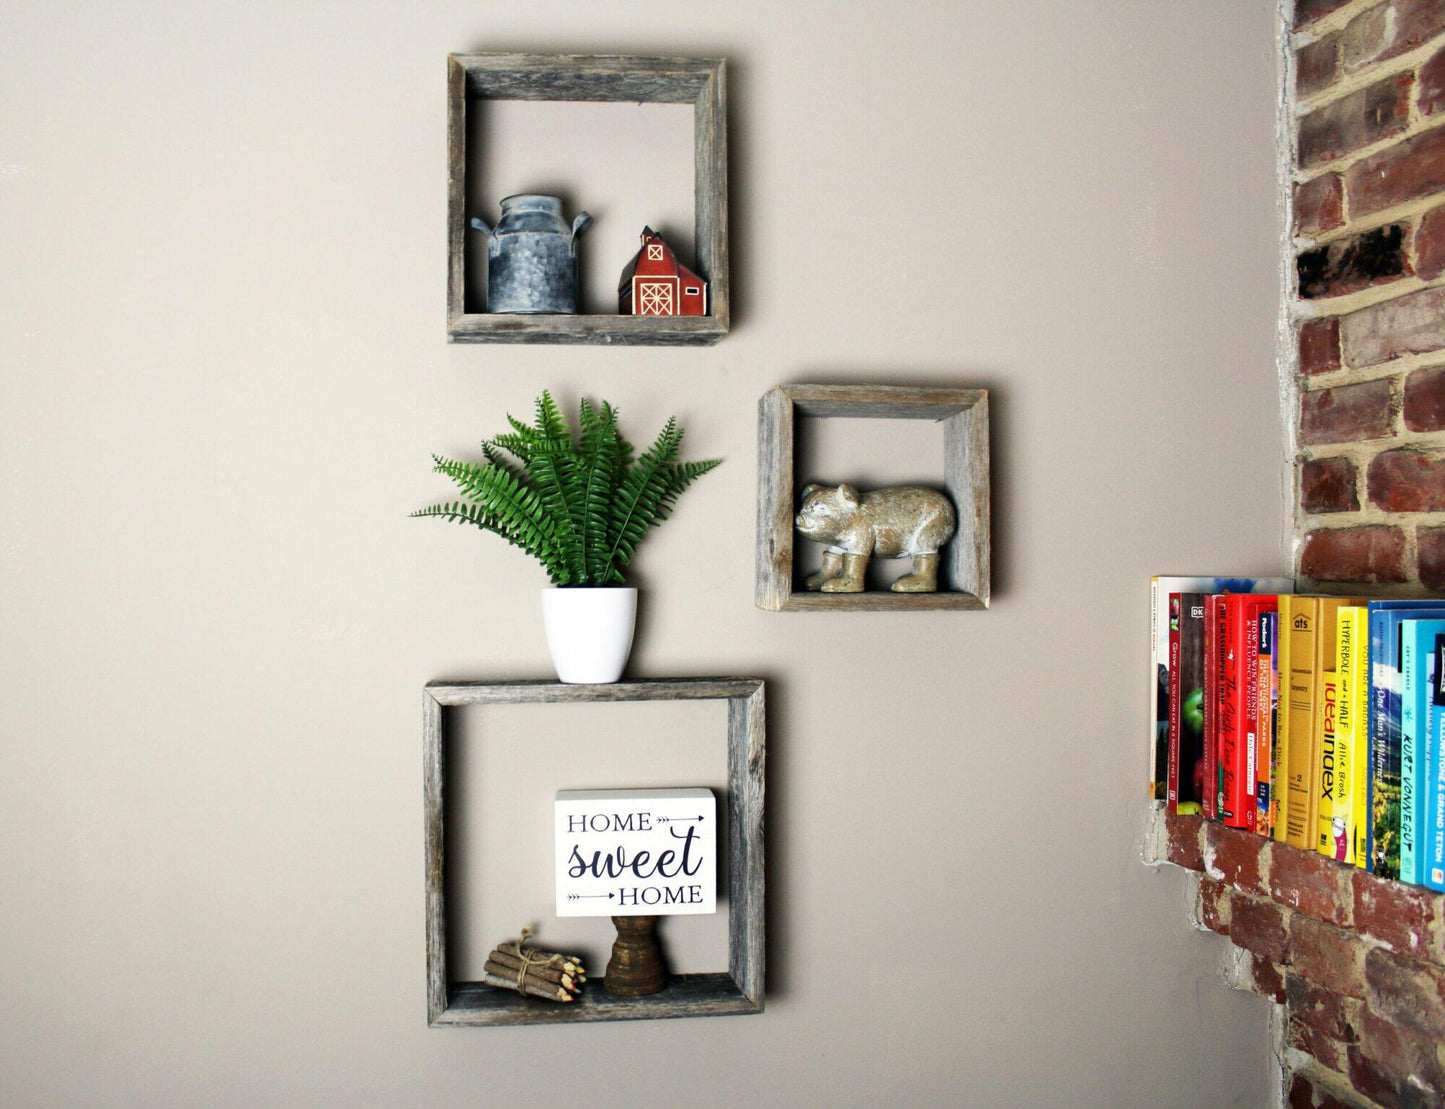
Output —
<point x="588" y="896"/>
<point x="678" y="819"/>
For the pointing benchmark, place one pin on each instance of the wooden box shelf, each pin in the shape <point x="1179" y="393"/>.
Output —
<point x="737" y="990"/>
<point x="964" y="577"/>
<point x="701" y="82"/>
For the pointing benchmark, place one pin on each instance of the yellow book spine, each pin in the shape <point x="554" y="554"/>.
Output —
<point x="1337" y="820"/>
<point x="1302" y="786"/>
<point x="1281" y="800"/>
<point x="1359" y="707"/>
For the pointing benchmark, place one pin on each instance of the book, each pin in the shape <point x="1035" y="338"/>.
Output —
<point x="1417" y="673"/>
<point x="1268" y="703"/>
<point x="1160" y="587"/>
<point x="1351" y="764"/>
<point x="1186" y="711"/>
<point x="1383" y="727"/>
<point x="1333" y="809"/>
<point x="1239" y="707"/>
<point x="1435" y="775"/>
<point x="1311" y="647"/>
<point x="1281" y="801"/>
<point x="1212" y="799"/>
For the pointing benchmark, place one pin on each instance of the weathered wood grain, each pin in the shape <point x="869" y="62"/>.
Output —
<point x="966" y="477"/>
<point x="710" y="192"/>
<point x="774" y="559"/>
<point x="746" y="885"/>
<point x="677" y="331"/>
<point x="687" y="995"/>
<point x="595" y="77"/>
<point x="700" y="82"/>
<point x="740" y="990"/>
<point x="964" y="413"/>
<point x="434" y="836"/>
<point x="456" y="189"/>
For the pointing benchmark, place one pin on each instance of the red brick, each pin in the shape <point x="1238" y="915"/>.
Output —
<point x="1184" y="849"/>
<point x="1356" y="555"/>
<point x="1406" y="481"/>
<point x="1309" y="883"/>
<point x="1307" y="1093"/>
<point x="1232" y="855"/>
<point x="1328" y="956"/>
<point x="1403" y="1053"/>
<point x="1407" y="992"/>
<point x="1406" y="171"/>
<point x="1430" y="85"/>
<point x="1258" y="925"/>
<point x="1317" y="65"/>
<point x="1268" y="978"/>
<point x="1334" y="1014"/>
<point x="1394" y="914"/>
<point x="1319" y="345"/>
<point x="1430" y="549"/>
<point x="1346" y="413"/>
<point x="1428" y="244"/>
<point x="1390" y="30"/>
<point x="1424" y="408"/>
<point x="1413" y="324"/>
<point x="1329" y="485"/>
<point x="1319" y="204"/>
<point x="1214" y="905"/>
<point x="1313" y="1042"/>
<point x="1374" y="257"/>
<point x="1364" y="117"/>
<point x="1383" y="1086"/>
<point x="1307" y="11"/>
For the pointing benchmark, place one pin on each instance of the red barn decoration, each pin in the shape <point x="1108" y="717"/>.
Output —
<point x="654" y="283"/>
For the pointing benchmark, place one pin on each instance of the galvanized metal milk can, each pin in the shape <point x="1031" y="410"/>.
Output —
<point x="532" y="256"/>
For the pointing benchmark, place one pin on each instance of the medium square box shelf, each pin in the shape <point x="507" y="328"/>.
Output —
<point x="964" y="574"/>
<point x="700" y="82"/>
<point x="737" y="990"/>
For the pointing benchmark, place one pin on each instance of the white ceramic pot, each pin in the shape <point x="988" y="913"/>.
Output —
<point x="589" y="632"/>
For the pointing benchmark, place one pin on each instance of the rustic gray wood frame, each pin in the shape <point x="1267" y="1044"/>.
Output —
<point x="738" y="990"/>
<point x="701" y="82"/>
<point x="964" y="577"/>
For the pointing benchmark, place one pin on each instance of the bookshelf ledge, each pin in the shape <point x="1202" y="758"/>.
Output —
<point x="1358" y="961"/>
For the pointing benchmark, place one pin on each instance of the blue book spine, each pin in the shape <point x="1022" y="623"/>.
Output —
<point x="1409" y="774"/>
<point x="1384" y="727"/>
<point x="1435" y="771"/>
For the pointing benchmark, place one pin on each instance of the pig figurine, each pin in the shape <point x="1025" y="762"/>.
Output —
<point x="905" y="522"/>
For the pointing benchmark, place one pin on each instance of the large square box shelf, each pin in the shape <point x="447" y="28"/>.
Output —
<point x="964" y="573"/>
<point x="737" y="990"/>
<point x="700" y="82"/>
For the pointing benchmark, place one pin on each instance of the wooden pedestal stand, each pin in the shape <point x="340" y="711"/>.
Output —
<point x="636" y="968"/>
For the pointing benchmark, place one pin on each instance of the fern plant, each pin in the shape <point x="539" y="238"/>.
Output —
<point x="579" y="504"/>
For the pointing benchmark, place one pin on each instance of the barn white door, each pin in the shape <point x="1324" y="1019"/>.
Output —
<point x="656" y="298"/>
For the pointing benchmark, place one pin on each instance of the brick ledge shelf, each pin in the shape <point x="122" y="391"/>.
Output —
<point x="1357" y="962"/>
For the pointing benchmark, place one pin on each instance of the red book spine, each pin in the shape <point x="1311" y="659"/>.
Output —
<point x="1208" y="795"/>
<point x="1229" y="705"/>
<point x="1172" y="783"/>
<point x="1249" y="689"/>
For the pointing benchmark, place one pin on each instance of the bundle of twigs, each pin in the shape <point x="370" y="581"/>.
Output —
<point x="515" y="965"/>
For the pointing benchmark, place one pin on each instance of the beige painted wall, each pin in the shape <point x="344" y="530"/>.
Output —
<point x="223" y="370"/>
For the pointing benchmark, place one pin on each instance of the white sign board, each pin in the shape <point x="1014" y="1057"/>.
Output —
<point x="636" y="852"/>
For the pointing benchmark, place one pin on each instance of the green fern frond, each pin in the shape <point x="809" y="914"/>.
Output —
<point x="580" y="506"/>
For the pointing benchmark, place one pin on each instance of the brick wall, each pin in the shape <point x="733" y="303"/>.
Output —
<point x="1369" y="226"/>
<point x="1357" y="963"/>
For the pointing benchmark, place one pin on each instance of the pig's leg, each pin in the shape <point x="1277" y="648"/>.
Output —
<point x="924" y="578"/>
<point x="832" y="566"/>
<point x="851" y="579"/>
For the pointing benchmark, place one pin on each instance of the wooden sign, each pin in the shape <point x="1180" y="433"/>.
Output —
<point x="638" y="852"/>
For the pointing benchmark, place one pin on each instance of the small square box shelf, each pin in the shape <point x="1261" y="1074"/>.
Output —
<point x="964" y="574"/>
<point x="739" y="989"/>
<point x="700" y="82"/>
